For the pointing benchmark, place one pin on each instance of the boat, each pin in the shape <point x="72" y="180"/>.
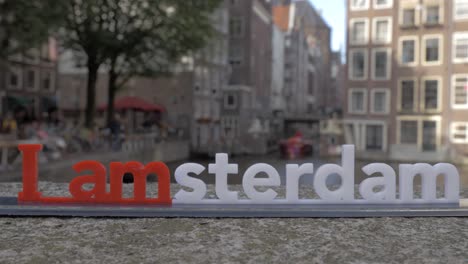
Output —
<point x="296" y="147"/>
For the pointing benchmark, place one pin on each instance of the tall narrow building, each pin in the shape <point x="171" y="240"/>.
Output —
<point x="250" y="49"/>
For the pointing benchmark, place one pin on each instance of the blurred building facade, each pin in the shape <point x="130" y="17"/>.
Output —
<point x="307" y="56"/>
<point x="269" y="60"/>
<point x="407" y="82"/>
<point x="250" y="59"/>
<point x="28" y="81"/>
<point x="250" y="50"/>
<point x="211" y="70"/>
<point x="191" y="96"/>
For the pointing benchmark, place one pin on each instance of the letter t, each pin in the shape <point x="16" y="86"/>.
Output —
<point x="221" y="169"/>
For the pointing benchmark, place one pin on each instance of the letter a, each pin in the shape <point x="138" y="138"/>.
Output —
<point x="98" y="193"/>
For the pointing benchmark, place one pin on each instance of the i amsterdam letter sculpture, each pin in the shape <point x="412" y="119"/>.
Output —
<point x="191" y="201"/>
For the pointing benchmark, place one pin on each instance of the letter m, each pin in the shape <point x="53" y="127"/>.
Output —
<point x="140" y="174"/>
<point x="429" y="182"/>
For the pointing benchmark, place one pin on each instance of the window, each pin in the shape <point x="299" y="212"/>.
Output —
<point x="235" y="54"/>
<point x="48" y="81"/>
<point x="421" y="131"/>
<point x="31" y="79"/>
<point x="408" y="132"/>
<point x="460" y="91"/>
<point x="432" y="15"/>
<point x="460" y="9"/>
<point x="235" y="27"/>
<point x="407" y="49"/>
<point x="380" y="101"/>
<point x="359" y="4"/>
<point x="432" y="48"/>
<point x="311" y="82"/>
<point x="14" y="78"/>
<point x="382" y="30"/>
<point x="429" y="136"/>
<point x="357" y="103"/>
<point x="407" y="96"/>
<point x="431" y="95"/>
<point x="409" y="17"/>
<point x="230" y="101"/>
<point x="459" y="132"/>
<point x="359" y="31"/>
<point x="380" y="4"/>
<point x="374" y="137"/>
<point x="381" y="59"/>
<point x="460" y="47"/>
<point x="358" y="64"/>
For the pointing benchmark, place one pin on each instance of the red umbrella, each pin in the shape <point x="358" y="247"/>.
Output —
<point x="133" y="102"/>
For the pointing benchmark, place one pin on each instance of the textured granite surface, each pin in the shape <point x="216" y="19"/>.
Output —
<point x="100" y="240"/>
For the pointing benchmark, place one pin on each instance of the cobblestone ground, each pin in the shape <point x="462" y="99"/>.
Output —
<point x="181" y="240"/>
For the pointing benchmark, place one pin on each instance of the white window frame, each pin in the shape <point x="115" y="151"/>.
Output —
<point x="388" y="74"/>
<point x="455" y="17"/>
<point x="432" y="3"/>
<point x="387" y="101"/>
<point x="351" y="64"/>
<point x="19" y="72"/>
<point x="350" y="100"/>
<point x="457" y="36"/>
<point x="358" y="8"/>
<point x="388" y="5"/>
<point x="441" y="50"/>
<point x="439" y="93"/>
<point x="453" y="130"/>
<point x="416" y="53"/>
<point x="452" y="90"/>
<point x="415" y="93"/>
<point x="420" y="121"/>
<point x="375" y="20"/>
<point x="407" y="5"/>
<point x="366" y="30"/>
<point x="358" y="134"/>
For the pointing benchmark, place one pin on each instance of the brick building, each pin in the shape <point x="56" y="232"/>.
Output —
<point x="28" y="80"/>
<point x="407" y="78"/>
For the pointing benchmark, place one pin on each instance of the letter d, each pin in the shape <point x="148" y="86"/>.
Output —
<point x="345" y="171"/>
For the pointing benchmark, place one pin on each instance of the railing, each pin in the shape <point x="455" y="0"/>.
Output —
<point x="138" y="142"/>
<point x="8" y="145"/>
<point x="131" y="143"/>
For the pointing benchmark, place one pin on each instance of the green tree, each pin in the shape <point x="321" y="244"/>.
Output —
<point x="150" y="38"/>
<point x="133" y="37"/>
<point x="85" y="29"/>
<point x="26" y="23"/>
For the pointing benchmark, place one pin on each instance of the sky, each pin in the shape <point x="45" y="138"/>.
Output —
<point x="335" y="14"/>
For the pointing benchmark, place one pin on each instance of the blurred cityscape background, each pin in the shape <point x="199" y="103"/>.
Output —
<point x="175" y="79"/>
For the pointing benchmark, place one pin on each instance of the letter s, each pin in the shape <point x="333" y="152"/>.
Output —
<point x="182" y="177"/>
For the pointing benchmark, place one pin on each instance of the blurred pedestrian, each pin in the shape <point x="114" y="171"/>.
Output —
<point x="116" y="130"/>
<point x="9" y="124"/>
